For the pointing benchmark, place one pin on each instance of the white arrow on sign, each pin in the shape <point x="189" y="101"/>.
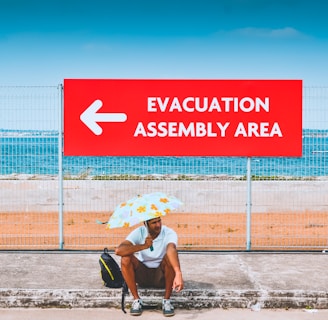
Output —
<point x="90" y="117"/>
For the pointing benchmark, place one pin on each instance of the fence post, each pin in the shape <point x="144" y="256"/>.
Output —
<point x="60" y="171"/>
<point x="249" y="205"/>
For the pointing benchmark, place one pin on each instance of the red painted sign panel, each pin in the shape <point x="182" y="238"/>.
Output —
<point x="117" y="117"/>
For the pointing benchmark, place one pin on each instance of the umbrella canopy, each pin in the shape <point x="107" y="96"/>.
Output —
<point x="142" y="208"/>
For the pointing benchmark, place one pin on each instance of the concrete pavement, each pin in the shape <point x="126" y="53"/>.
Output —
<point x="204" y="314"/>
<point x="225" y="280"/>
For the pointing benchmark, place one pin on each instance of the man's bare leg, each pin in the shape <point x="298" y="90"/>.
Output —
<point x="128" y="266"/>
<point x="169" y="275"/>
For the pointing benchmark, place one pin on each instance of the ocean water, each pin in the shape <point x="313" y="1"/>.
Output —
<point x="38" y="155"/>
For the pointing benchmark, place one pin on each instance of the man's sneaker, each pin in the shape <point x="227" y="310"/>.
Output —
<point x="136" y="308"/>
<point x="168" y="309"/>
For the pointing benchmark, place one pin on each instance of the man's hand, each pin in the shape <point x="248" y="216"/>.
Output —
<point x="178" y="282"/>
<point x="126" y="248"/>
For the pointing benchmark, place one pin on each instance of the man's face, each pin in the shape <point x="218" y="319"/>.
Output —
<point x="154" y="226"/>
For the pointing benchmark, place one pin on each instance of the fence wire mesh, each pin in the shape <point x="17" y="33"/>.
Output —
<point x="289" y="208"/>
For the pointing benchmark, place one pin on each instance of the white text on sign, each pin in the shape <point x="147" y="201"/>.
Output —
<point x="197" y="104"/>
<point x="207" y="129"/>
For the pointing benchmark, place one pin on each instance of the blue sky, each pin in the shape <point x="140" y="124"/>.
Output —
<point x="44" y="41"/>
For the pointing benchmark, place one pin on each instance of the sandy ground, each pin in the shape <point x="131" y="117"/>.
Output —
<point x="279" y="231"/>
<point x="285" y="214"/>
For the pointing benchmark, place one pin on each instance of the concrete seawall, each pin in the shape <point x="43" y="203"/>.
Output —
<point x="198" y="196"/>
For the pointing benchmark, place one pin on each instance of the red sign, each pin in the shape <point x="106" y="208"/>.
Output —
<point x="182" y="117"/>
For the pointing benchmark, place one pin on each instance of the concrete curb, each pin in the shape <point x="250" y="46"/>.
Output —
<point x="240" y="280"/>
<point x="188" y="299"/>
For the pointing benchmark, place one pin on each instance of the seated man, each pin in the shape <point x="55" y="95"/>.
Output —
<point x="156" y="263"/>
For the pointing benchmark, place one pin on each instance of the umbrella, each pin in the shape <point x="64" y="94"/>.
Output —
<point x="142" y="208"/>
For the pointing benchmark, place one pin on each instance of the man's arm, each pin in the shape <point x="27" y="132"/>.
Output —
<point x="126" y="248"/>
<point x="172" y="254"/>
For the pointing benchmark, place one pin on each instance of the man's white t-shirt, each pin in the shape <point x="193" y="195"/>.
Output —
<point x="152" y="259"/>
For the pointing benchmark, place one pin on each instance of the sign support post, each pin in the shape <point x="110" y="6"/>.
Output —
<point x="60" y="173"/>
<point x="249" y="205"/>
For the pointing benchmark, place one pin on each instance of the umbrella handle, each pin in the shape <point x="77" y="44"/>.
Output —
<point x="151" y="248"/>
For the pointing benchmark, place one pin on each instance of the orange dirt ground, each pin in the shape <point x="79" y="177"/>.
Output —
<point x="269" y="231"/>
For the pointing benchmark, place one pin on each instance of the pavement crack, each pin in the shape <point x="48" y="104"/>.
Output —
<point x="253" y="278"/>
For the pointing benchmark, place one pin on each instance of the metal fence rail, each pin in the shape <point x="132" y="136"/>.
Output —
<point x="48" y="201"/>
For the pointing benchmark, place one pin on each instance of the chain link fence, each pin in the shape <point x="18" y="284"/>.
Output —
<point x="50" y="201"/>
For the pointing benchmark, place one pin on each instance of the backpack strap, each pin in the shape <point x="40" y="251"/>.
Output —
<point x="125" y="291"/>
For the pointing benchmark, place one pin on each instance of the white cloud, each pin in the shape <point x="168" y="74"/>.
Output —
<point x="282" y="33"/>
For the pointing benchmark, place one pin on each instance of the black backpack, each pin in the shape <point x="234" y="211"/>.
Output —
<point x="111" y="274"/>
